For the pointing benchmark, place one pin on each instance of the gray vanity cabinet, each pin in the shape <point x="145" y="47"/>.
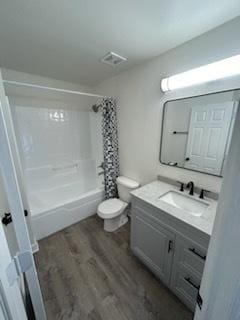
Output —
<point x="153" y="244"/>
<point x="172" y="253"/>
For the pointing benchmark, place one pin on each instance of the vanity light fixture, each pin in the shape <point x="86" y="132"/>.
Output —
<point x="210" y="72"/>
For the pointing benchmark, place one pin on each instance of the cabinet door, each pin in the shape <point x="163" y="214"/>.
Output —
<point x="153" y="244"/>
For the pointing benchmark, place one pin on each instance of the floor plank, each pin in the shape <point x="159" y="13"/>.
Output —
<point x="86" y="273"/>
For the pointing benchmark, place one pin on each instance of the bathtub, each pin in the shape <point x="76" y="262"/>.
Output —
<point x="56" y="209"/>
<point x="59" y="198"/>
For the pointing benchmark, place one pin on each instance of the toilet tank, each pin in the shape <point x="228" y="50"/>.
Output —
<point x="125" y="186"/>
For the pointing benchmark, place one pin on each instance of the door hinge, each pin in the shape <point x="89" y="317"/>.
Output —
<point x="199" y="300"/>
<point x="20" y="263"/>
<point x="170" y="245"/>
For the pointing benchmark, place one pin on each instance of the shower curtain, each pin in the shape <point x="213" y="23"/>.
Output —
<point x="110" y="147"/>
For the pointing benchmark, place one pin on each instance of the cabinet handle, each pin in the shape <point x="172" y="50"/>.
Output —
<point x="191" y="283"/>
<point x="197" y="254"/>
<point x="170" y="243"/>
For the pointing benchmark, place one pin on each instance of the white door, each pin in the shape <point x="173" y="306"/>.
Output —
<point x="208" y="135"/>
<point x="17" y="210"/>
<point x="11" y="302"/>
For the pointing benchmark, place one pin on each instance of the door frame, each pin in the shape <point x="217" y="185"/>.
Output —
<point x="220" y="286"/>
<point x="8" y="117"/>
<point x="11" y="301"/>
<point x="17" y="209"/>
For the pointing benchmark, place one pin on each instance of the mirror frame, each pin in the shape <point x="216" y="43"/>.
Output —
<point x="223" y="85"/>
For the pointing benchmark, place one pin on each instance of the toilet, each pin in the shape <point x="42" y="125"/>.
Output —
<point x="113" y="210"/>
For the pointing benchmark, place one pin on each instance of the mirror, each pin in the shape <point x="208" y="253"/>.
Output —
<point x="196" y="131"/>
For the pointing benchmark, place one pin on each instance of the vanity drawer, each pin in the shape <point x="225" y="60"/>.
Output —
<point x="185" y="285"/>
<point x="190" y="254"/>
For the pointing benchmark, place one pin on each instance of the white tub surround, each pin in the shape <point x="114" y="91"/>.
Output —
<point x="170" y="240"/>
<point x="60" y="149"/>
<point x="152" y="192"/>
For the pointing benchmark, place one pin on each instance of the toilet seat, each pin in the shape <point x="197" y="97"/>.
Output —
<point x="111" y="208"/>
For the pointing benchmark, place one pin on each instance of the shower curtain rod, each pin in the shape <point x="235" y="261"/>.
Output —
<point x="53" y="89"/>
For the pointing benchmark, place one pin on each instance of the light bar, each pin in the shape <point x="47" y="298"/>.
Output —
<point x="210" y="72"/>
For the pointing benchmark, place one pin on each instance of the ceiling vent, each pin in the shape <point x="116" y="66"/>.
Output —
<point x="113" y="59"/>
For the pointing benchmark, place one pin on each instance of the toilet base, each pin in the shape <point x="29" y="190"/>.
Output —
<point x="113" y="224"/>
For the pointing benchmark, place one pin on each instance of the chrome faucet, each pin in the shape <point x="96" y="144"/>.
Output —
<point x="190" y="186"/>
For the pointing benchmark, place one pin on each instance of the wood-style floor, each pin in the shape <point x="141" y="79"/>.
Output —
<point x="86" y="273"/>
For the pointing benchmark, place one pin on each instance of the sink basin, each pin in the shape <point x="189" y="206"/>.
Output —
<point x="191" y="205"/>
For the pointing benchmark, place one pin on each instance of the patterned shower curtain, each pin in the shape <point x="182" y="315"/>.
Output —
<point x="110" y="147"/>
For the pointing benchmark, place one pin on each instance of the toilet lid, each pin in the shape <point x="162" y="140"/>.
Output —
<point x="111" y="208"/>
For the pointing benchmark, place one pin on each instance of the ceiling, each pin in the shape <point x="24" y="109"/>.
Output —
<point x="65" y="39"/>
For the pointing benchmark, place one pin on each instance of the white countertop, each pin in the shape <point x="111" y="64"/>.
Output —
<point x="151" y="192"/>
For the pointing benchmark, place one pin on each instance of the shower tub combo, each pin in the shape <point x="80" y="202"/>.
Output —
<point x="60" y="151"/>
<point x="72" y="194"/>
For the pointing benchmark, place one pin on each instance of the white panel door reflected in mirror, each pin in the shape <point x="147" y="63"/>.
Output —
<point x="196" y="131"/>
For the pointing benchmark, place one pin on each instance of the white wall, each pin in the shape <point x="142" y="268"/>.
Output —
<point x="140" y="109"/>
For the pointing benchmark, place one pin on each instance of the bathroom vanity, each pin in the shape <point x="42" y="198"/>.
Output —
<point x="170" y="233"/>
